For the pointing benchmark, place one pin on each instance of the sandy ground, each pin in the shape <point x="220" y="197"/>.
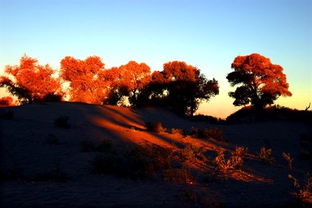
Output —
<point x="26" y="150"/>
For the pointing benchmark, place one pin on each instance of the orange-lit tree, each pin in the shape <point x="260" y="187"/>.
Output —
<point x="86" y="78"/>
<point x="179" y="86"/>
<point x="32" y="82"/>
<point x="259" y="81"/>
<point x="127" y="80"/>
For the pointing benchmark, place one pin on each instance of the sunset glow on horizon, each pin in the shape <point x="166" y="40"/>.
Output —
<point x="204" y="34"/>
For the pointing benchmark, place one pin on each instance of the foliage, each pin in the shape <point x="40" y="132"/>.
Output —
<point x="207" y="133"/>
<point x="228" y="163"/>
<point x="155" y="126"/>
<point x="265" y="154"/>
<point x="260" y="82"/>
<point x="33" y="82"/>
<point x="304" y="191"/>
<point x="86" y="79"/>
<point x="289" y="159"/>
<point x="179" y="86"/>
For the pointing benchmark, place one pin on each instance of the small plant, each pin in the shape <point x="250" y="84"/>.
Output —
<point x="155" y="126"/>
<point x="224" y="164"/>
<point x="214" y="133"/>
<point x="177" y="131"/>
<point x="303" y="192"/>
<point x="289" y="160"/>
<point x="62" y="122"/>
<point x="265" y="154"/>
<point x="240" y="151"/>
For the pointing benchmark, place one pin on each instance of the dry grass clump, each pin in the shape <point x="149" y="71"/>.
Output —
<point x="302" y="192"/>
<point x="155" y="127"/>
<point x="231" y="162"/>
<point x="289" y="160"/>
<point x="177" y="131"/>
<point x="265" y="154"/>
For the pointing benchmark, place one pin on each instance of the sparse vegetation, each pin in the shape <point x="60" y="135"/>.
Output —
<point x="289" y="160"/>
<point x="231" y="162"/>
<point x="155" y="127"/>
<point x="265" y="154"/>
<point x="302" y="191"/>
<point x="207" y="133"/>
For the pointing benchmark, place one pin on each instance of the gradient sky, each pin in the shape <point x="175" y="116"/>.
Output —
<point x="206" y="34"/>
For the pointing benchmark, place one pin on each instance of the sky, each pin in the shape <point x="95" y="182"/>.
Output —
<point x="206" y="34"/>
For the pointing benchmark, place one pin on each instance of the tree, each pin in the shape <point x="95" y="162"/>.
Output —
<point x="179" y="86"/>
<point x="33" y="82"/>
<point x="127" y="80"/>
<point x="86" y="78"/>
<point x="260" y="82"/>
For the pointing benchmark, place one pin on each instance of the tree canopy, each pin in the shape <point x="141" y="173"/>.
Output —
<point x="33" y="82"/>
<point x="259" y="81"/>
<point x="179" y="86"/>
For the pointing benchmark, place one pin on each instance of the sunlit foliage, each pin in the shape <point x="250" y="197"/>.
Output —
<point x="32" y="82"/>
<point x="259" y="81"/>
<point x="127" y="80"/>
<point x="86" y="78"/>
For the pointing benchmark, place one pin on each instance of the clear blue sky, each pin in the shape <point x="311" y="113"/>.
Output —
<point x="206" y="34"/>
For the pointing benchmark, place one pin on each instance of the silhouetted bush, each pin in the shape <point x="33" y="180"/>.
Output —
<point x="177" y="131"/>
<point x="51" y="97"/>
<point x="155" y="126"/>
<point x="134" y="163"/>
<point x="62" y="122"/>
<point x="206" y="118"/>
<point x="274" y="113"/>
<point x="207" y="133"/>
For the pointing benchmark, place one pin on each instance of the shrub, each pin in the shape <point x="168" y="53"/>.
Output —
<point x="177" y="131"/>
<point x="224" y="164"/>
<point x="265" y="154"/>
<point x="289" y="160"/>
<point x="155" y="126"/>
<point x="240" y="151"/>
<point x="302" y="192"/>
<point x="62" y="122"/>
<point x="214" y="133"/>
<point x="135" y="162"/>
